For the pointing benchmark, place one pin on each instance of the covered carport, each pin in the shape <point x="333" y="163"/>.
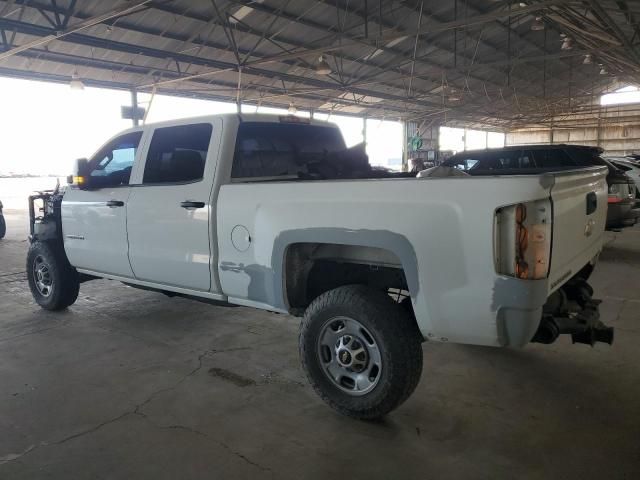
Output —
<point x="132" y="384"/>
<point x="504" y="66"/>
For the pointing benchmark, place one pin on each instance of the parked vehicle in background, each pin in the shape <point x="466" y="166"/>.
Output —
<point x="3" y="223"/>
<point x="276" y="213"/>
<point x="630" y="167"/>
<point x="521" y="159"/>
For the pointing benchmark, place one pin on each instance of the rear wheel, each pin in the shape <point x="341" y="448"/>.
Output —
<point x="361" y="351"/>
<point x="3" y="226"/>
<point x="54" y="283"/>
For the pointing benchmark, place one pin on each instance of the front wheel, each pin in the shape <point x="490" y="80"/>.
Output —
<point x="53" y="282"/>
<point x="3" y="226"/>
<point x="361" y="351"/>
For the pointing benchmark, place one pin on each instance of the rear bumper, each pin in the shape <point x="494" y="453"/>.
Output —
<point x="534" y="317"/>
<point x="520" y="311"/>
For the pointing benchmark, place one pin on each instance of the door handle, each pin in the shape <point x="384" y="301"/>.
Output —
<point x="115" y="203"/>
<point x="189" y="204"/>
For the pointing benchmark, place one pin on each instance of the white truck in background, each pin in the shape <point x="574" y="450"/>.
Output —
<point x="275" y="213"/>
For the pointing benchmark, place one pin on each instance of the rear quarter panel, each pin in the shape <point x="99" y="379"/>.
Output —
<point x="440" y="228"/>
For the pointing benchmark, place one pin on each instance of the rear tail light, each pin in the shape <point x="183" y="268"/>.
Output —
<point x="619" y="192"/>
<point x="522" y="240"/>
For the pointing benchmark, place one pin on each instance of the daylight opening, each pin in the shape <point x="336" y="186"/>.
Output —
<point x="622" y="96"/>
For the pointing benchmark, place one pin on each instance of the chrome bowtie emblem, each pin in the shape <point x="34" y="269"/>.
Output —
<point x="588" y="227"/>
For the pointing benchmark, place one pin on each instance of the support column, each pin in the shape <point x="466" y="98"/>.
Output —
<point x="134" y="106"/>
<point x="405" y="147"/>
<point x="364" y="131"/>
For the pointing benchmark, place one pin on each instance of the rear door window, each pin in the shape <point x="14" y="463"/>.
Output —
<point x="552" y="158"/>
<point x="177" y="154"/>
<point x="283" y="150"/>
<point x="510" y="159"/>
<point x="465" y="163"/>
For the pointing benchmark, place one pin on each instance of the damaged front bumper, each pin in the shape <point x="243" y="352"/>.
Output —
<point x="573" y="310"/>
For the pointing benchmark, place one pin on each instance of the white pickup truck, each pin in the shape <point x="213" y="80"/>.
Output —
<point x="275" y="213"/>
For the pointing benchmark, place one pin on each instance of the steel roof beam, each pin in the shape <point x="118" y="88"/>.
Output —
<point x="408" y="59"/>
<point x="90" y="41"/>
<point x="73" y="60"/>
<point x="601" y="13"/>
<point x="89" y="22"/>
<point x="140" y="29"/>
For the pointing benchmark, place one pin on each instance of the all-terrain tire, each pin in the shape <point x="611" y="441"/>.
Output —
<point x="54" y="283"/>
<point x="398" y="341"/>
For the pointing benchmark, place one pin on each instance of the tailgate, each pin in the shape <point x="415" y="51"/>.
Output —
<point x="579" y="201"/>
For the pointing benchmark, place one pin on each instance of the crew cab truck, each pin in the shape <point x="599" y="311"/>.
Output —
<point x="276" y="213"/>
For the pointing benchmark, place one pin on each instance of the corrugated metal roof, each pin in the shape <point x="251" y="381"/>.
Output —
<point x="465" y="60"/>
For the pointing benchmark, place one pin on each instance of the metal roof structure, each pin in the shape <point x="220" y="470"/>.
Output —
<point x="489" y="62"/>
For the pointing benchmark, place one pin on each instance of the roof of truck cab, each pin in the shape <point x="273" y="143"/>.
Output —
<point x="243" y="117"/>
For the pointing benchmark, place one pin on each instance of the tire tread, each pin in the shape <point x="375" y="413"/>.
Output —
<point x="67" y="280"/>
<point x="401" y="334"/>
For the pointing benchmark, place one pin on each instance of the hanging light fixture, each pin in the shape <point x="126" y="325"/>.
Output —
<point x="603" y="70"/>
<point x="454" y="95"/>
<point x="567" y="43"/>
<point x="292" y="109"/>
<point x="76" y="83"/>
<point x="537" y="24"/>
<point x="323" y="68"/>
<point x="588" y="59"/>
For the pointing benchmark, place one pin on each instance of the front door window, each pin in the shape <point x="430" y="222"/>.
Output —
<point x="111" y="166"/>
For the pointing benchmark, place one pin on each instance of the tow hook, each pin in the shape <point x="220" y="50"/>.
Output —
<point x="572" y="310"/>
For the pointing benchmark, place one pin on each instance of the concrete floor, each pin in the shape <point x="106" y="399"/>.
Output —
<point x="129" y="384"/>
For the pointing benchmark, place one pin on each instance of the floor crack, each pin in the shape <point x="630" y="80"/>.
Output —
<point x="209" y="439"/>
<point x="137" y="410"/>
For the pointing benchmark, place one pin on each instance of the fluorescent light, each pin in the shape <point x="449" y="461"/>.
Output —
<point x="390" y="44"/>
<point x="242" y="12"/>
<point x="396" y="41"/>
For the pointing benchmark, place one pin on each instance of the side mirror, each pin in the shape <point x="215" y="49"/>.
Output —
<point x="80" y="176"/>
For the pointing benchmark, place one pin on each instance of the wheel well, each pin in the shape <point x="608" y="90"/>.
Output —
<point x="314" y="268"/>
